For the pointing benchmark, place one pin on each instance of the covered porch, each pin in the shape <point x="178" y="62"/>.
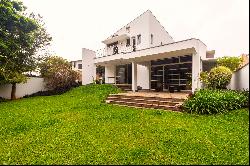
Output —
<point x="168" y="58"/>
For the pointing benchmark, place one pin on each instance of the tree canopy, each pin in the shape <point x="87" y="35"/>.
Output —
<point x="233" y="63"/>
<point x="22" y="39"/>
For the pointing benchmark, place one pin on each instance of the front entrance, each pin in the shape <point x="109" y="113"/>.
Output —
<point x="172" y="74"/>
<point x="124" y="74"/>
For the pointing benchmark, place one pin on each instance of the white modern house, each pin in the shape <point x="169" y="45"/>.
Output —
<point x="143" y="54"/>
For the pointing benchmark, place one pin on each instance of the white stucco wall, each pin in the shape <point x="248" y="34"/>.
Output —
<point x="110" y="72"/>
<point x="139" y="25"/>
<point x="143" y="75"/>
<point x="146" y="24"/>
<point x="200" y="53"/>
<point x="88" y="66"/>
<point x="160" y="35"/>
<point x="33" y="85"/>
<point x="240" y="79"/>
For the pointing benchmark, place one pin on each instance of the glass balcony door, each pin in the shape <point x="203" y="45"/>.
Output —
<point x="124" y="74"/>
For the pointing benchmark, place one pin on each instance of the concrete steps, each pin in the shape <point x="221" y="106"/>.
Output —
<point x="173" y="104"/>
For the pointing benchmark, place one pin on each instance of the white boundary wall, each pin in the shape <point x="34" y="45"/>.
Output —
<point x="33" y="85"/>
<point x="88" y="66"/>
<point x="240" y="79"/>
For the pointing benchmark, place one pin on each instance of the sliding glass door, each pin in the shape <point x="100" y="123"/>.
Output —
<point x="173" y="73"/>
<point x="124" y="74"/>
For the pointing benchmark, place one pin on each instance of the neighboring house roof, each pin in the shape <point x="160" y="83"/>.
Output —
<point x="139" y="17"/>
<point x="210" y="54"/>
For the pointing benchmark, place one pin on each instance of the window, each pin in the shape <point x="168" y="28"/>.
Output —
<point x="79" y="66"/>
<point x="112" y="44"/>
<point x="151" y="38"/>
<point x="128" y="29"/>
<point x="74" y="64"/>
<point x="138" y="39"/>
<point x="128" y="42"/>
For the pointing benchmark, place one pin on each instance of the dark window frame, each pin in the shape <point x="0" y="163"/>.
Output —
<point x="138" y="39"/>
<point x="128" y="42"/>
<point x="79" y="66"/>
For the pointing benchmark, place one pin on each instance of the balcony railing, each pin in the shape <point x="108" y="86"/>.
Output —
<point x="113" y="50"/>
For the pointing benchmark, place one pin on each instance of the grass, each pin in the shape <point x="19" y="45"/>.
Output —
<point x="78" y="128"/>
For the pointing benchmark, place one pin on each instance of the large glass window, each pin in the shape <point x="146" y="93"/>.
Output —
<point x="174" y="72"/>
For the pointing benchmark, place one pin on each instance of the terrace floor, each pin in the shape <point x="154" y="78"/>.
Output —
<point x="180" y="95"/>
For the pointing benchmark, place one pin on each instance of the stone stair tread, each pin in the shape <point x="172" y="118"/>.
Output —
<point x="167" y="106"/>
<point x="162" y="101"/>
<point x="142" y="103"/>
<point x="108" y="101"/>
<point x="139" y="99"/>
<point x="126" y="98"/>
<point x="118" y="94"/>
<point x="130" y="102"/>
<point x="152" y="100"/>
<point x="112" y="97"/>
<point x="120" y="101"/>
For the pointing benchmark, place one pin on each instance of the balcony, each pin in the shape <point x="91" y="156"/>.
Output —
<point x="113" y="50"/>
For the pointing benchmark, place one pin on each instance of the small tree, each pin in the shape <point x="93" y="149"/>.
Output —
<point x="58" y="73"/>
<point x="218" y="78"/>
<point x="233" y="63"/>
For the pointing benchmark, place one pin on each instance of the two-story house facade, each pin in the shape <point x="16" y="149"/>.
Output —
<point x="77" y="66"/>
<point x="143" y="54"/>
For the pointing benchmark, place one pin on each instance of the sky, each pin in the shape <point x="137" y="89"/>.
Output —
<point x="223" y="25"/>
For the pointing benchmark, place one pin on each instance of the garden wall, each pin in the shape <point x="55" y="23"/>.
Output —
<point x="240" y="79"/>
<point x="33" y="85"/>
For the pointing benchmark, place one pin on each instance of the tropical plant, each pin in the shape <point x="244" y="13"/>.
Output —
<point x="207" y="101"/>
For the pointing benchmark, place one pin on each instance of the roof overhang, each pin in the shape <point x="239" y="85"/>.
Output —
<point x="116" y="38"/>
<point x="180" y="48"/>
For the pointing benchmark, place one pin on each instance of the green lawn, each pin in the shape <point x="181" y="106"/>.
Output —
<point x="79" y="128"/>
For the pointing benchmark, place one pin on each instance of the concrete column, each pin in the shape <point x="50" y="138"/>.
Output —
<point x="134" y="76"/>
<point x="196" y="69"/>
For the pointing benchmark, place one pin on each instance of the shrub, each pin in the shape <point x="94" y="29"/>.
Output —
<point x="57" y="73"/>
<point x="56" y="91"/>
<point x="207" y="101"/>
<point x="218" y="78"/>
<point x="233" y="63"/>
